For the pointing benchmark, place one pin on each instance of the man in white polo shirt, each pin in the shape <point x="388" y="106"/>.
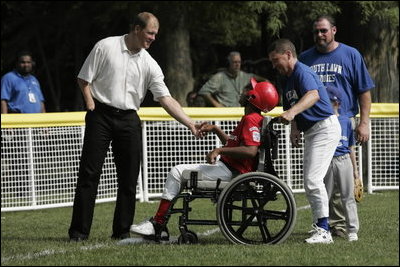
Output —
<point x="114" y="80"/>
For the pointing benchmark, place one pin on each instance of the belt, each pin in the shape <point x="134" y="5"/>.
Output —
<point x="106" y="108"/>
<point x="342" y="157"/>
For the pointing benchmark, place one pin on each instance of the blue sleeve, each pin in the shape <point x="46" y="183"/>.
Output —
<point x="6" y="88"/>
<point x="307" y="82"/>
<point x="361" y="78"/>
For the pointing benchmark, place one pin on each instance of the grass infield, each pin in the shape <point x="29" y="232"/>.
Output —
<point x="38" y="238"/>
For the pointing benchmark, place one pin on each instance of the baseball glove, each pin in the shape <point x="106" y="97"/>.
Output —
<point x="358" y="189"/>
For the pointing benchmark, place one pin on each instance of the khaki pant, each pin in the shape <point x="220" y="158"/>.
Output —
<point x="342" y="210"/>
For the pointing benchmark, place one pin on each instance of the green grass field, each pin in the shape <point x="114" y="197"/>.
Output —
<point x="40" y="238"/>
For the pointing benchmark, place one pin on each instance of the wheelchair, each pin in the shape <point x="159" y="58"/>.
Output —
<point x="252" y="208"/>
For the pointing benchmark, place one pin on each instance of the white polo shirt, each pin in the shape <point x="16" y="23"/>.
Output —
<point x="119" y="78"/>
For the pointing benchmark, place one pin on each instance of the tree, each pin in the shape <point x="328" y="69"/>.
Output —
<point x="378" y="40"/>
<point x="200" y="27"/>
<point x="194" y="38"/>
<point x="60" y="34"/>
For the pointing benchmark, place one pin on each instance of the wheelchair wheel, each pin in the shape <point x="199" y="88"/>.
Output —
<point x="256" y="208"/>
<point x="189" y="238"/>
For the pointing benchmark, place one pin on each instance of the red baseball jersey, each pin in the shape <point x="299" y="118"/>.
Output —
<point x="246" y="133"/>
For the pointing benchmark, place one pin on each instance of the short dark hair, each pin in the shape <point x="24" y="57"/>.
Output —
<point x="329" y="18"/>
<point x="23" y="53"/>
<point x="282" y="45"/>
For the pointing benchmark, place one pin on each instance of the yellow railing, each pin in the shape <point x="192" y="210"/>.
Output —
<point x="378" y="110"/>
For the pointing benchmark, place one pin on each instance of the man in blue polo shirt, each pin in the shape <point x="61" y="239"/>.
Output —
<point x="307" y="108"/>
<point x="20" y="90"/>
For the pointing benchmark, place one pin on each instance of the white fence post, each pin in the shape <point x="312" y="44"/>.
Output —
<point x="31" y="167"/>
<point x="288" y="156"/>
<point x="369" y="159"/>
<point x="145" y="178"/>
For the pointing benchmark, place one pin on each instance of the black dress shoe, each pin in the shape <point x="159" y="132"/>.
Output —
<point x="122" y="236"/>
<point x="77" y="238"/>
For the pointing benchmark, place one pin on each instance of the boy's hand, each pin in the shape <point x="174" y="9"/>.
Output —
<point x="206" y="128"/>
<point x="212" y="156"/>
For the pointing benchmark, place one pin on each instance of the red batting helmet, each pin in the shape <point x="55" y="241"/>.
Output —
<point x="263" y="96"/>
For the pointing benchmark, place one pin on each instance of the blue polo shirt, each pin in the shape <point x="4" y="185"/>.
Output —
<point x="302" y="80"/>
<point x="22" y="93"/>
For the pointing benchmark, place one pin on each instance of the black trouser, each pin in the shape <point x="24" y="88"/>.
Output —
<point x="123" y="128"/>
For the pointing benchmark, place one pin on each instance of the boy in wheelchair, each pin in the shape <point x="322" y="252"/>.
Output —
<point x="237" y="156"/>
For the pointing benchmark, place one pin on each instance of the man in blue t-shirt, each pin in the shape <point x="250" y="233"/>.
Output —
<point x="342" y="67"/>
<point x="20" y="90"/>
<point x="308" y="109"/>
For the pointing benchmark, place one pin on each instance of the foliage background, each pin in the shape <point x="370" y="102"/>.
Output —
<point x="194" y="38"/>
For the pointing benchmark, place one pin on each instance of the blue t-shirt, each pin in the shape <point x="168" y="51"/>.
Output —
<point x="22" y="93"/>
<point x="347" y="138"/>
<point x="302" y="80"/>
<point x="343" y="68"/>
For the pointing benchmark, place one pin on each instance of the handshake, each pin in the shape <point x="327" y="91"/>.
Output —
<point x="204" y="128"/>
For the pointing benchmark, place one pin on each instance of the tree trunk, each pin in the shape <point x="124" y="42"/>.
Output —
<point x="52" y="103"/>
<point x="378" y="42"/>
<point x="78" y="103"/>
<point x="178" y="72"/>
<point x="381" y="54"/>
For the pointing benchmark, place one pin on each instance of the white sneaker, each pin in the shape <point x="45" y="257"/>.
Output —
<point x="352" y="237"/>
<point x="143" y="228"/>
<point x="320" y="235"/>
<point x="312" y="231"/>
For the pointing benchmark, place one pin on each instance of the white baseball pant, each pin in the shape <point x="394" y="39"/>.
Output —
<point x="320" y="142"/>
<point x="210" y="172"/>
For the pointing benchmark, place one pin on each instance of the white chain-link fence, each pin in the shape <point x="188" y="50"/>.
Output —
<point x="39" y="165"/>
